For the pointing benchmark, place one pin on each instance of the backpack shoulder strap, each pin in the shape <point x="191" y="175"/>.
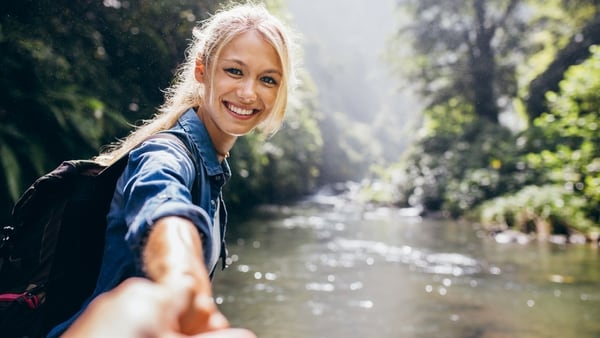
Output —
<point x="118" y="166"/>
<point x="178" y="139"/>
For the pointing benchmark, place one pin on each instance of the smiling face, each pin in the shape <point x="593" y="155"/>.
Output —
<point x="245" y="84"/>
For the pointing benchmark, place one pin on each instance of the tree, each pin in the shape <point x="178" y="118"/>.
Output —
<point x="568" y="137"/>
<point x="562" y="150"/>
<point x="461" y="51"/>
<point x="577" y="49"/>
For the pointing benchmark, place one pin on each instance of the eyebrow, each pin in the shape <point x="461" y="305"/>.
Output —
<point x="268" y="71"/>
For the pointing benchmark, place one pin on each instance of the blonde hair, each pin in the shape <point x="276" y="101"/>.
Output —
<point x="208" y="40"/>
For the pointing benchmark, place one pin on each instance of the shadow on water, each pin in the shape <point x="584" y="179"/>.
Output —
<point x="329" y="268"/>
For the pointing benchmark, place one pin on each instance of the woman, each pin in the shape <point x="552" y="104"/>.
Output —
<point x="167" y="218"/>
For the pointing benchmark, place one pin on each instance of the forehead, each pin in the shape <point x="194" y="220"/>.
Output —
<point x="251" y="48"/>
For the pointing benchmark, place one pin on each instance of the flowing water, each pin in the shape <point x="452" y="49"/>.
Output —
<point x="328" y="268"/>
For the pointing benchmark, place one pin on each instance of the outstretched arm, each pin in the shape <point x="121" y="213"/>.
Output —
<point x="173" y="253"/>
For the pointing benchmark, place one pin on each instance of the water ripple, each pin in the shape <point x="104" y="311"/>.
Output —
<point x="349" y="251"/>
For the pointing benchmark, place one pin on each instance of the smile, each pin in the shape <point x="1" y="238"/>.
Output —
<point x="240" y="111"/>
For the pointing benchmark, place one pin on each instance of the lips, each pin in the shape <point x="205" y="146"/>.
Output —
<point x="244" y="112"/>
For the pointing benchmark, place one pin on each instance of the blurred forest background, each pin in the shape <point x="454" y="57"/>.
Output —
<point x="479" y="109"/>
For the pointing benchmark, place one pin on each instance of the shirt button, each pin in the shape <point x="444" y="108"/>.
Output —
<point x="212" y="202"/>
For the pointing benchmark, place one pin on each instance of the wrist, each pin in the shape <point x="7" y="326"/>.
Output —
<point x="174" y="249"/>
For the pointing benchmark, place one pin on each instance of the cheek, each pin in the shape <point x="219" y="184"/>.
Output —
<point x="223" y="84"/>
<point x="269" y="97"/>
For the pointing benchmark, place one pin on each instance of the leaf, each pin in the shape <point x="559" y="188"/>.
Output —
<point x="11" y="171"/>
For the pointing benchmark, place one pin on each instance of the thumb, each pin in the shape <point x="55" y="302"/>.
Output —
<point x="180" y="292"/>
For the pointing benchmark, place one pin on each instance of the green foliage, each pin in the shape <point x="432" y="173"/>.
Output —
<point x="459" y="163"/>
<point x="565" y="40"/>
<point x="546" y="178"/>
<point x="563" y="149"/>
<point x="535" y="207"/>
<point x="449" y="118"/>
<point x="552" y="23"/>
<point x="569" y="137"/>
<point x="73" y="73"/>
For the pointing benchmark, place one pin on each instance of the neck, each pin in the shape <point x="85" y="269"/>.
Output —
<point x="222" y="148"/>
<point x="221" y="141"/>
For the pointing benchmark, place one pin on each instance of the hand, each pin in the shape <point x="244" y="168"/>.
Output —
<point x="198" y="313"/>
<point x="141" y="308"/>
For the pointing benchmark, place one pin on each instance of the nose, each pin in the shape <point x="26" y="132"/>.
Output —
<point x="247" y="91"/>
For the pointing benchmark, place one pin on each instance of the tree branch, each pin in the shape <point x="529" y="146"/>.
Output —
<point x="575" y="52"/>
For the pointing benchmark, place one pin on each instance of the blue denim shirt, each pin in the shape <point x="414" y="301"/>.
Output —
<point x="158" y="181"/>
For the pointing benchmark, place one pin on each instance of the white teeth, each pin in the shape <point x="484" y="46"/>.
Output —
<point x="239" y="111"/>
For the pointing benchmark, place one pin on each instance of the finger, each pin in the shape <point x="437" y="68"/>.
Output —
<point x="216" y="320"/>
<point x="227" y="333"/>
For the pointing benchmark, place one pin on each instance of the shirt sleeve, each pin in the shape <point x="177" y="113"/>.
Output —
<point x="158" y="182"/>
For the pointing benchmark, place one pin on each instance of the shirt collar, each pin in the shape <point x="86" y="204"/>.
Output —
<point x="196" y="131"/>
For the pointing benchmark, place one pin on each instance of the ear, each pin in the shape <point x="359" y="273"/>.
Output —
<point x="199" y="71"/>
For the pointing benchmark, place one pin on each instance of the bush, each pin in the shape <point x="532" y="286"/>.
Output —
<point x="546" y="209"/>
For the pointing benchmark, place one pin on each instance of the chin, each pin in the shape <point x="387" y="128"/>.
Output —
<point x="240" y="129"/>
<point x="237" y="132"/>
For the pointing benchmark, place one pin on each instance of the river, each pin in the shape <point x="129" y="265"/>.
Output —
<point x="328" y="268"/>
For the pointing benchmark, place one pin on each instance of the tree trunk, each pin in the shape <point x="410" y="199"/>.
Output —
<point x="483" y="62"/>
<point x="483" y="72"/>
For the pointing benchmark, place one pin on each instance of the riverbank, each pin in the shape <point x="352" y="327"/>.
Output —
<point x="535" y="226"/>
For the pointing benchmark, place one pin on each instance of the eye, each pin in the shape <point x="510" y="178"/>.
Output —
<point x="234" y="71"/>
<point x="269" y="80"/>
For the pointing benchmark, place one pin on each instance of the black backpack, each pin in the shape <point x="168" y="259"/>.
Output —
<point x="50" y="255"/>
